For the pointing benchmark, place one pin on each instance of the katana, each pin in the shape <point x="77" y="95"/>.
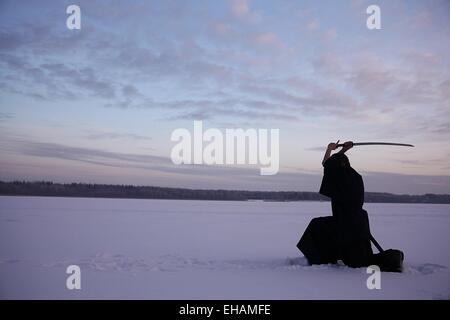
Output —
<point x="378" y="143"/>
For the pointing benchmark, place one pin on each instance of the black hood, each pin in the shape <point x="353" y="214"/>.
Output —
<point x="341" y="182"/>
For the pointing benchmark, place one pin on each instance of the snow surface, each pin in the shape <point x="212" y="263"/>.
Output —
<point x="176" y="249"/>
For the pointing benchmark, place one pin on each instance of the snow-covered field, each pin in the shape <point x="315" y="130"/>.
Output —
<point x="175" y="249"/>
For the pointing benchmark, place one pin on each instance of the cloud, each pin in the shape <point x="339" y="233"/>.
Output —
<point x="54" y="80"/>
<point x="202" y="114"/>
<point x="59" y="151"/>
<point x="226" y="108"/>
<point x="389" y="91"/>
<point x="240" y="8"/>
<point x="81" y="78"/>
<point x="6" y="116"/>
<point x="328" y="63"/>
<point x="121" y="160"/>
<point x="444" y="89"/>
<point x="118" y="64"/>
<point x="330" y="34"/>
<point x="441" y="128"/>
<point x="242" y="11"/>
<point x="406" y="184"/>
<point x="221" y="28"/>
<point x="315" y="100"/>
<point x="268" y="39"/>
<point x="130" y="91"/>
<point x="115" y="135"/>
<point x="118" y="69"/>
<point x="312" y="25"/>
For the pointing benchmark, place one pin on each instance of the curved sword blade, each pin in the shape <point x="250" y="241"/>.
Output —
<point x="378" y="143"/>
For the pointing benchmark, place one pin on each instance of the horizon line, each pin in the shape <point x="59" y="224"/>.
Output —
<point x="210" y="189"/>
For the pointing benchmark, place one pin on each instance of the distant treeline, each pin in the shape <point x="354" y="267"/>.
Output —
<point x="50" y="189"/>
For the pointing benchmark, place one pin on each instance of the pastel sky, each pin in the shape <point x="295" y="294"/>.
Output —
<point x="99" y="104"/>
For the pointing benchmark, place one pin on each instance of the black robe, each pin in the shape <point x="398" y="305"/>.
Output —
<point x="345" y="187"/>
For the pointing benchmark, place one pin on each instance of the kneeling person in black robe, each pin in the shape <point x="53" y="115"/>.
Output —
<point x="346" y="235"/>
